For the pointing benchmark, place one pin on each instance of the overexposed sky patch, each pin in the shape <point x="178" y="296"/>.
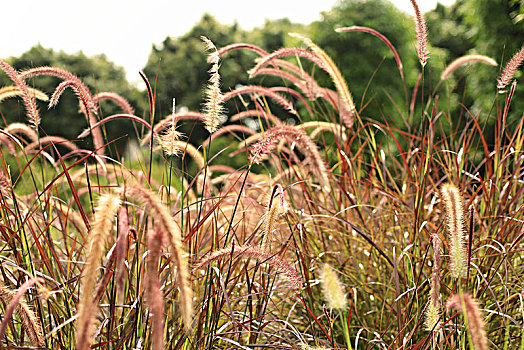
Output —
<point x="125" y="30"/>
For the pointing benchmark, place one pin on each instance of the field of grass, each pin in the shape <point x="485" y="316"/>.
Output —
<point x="339" y="231"/>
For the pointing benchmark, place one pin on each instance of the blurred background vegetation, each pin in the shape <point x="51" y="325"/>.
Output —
<point x="178" y="68"/>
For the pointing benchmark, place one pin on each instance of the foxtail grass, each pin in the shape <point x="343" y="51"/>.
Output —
<point x="82" y="91"/>
<point x="101" y="229"/>
<point x="5" y="184"/>
<point x="20" y="128"/>
<point x="63" y="74"/>
<point x="454" y="207"/>
<point x="348" y="111"/>
<point x="509" y="70"/>
<point x="52" y="140"/>
<point x="169" y="120"/>
<point x="422" y="34"/>
<point x="263" y="91"/>
<point x="381" y="37"/>
<point x="14" y="91"/>
<point x="433" y="310"/>
<point x="155" y="241"/>
<point x="285" y="52"/>
<point x="120" y="248"/>
<point x="469" y="307"/>
<point x="275" y="208"/>
<point x="268" y="142"/>
<point x="169" y="140"/>
<point x="238" y="46"/>
<point x="463" y="60"/>
<point x="332" y="288"/>
<point x="14" y="302"/>
<point x="183" y="148"/>
<point x="213" y="106"/>
<point x="29" y="102"/>
<point x="272" y="259"/>
<point x="165" y="222"/>
<point x="119" y="100"/>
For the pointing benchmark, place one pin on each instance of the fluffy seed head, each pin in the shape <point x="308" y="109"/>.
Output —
<point x="333" y="290"/>
<point x="19" y="128"/>
<point x="466" y="59"/>
<point x="15" y="302"/>
<point x="275" y="208"/>
<point x="509" y="71"/>
<point x="256" y="91"/>
<point x="213" y="106"/>
<point x="14" y="91"/>
<point x="165" y="222"/>
<point x="113" y="96"/>
<point x="453" y="203"/>
<point x="121" y="245"/>
<point x="268" y="142"/>
<point x="467" y="305"/>
<point x="347" y="108"/>
<point x="433" y="310"/>
<point x="5" y="184"/>
<point x="153" y="291"/>
<point x="275" y="261"/>
<point x="432" y="316"/>
<point x="104" y="215"/>
<point x="170" y="141"/>
<point x="422" y="35"/>
<point x="29" y="102"/>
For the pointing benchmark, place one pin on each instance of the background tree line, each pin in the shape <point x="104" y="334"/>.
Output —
<point x="178" y="64"/>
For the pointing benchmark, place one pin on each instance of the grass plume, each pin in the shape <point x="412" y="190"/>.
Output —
<point x="273" y="260"/>
<point x="275" y="208"/>
<point x="422" y="34"/>
<point x="269" y="140"/>
<point x="14" y="91"/>
<point x="30" y="322"/>
<point x="348" y="110"/>
<point x="454" y="207"/>
<point x="466" y="59"/>
<point x="333" y="290"/>
<point x="469" y="307"/>
<point x="20" y="128"/>
<point x="381" y="37"/>
<point x="102" y="226"/>
<point x="213" y="107"/>
<point x="509" y="70"/>
<point x="164" y="222"/>
<point x="169" y="139"/>
<point x="433" y="310"/>
<point x="29" y="102"/>
<point x="155" y="241"/>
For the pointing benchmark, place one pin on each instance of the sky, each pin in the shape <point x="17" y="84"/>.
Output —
<point x="125" y="30"/>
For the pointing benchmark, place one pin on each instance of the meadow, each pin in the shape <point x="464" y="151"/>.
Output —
<point x="340" y="229"/>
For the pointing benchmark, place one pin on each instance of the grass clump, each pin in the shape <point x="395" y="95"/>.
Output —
<point x="407" y="215"/>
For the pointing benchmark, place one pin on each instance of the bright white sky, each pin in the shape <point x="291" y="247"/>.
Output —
<point x="125" y="29"/>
